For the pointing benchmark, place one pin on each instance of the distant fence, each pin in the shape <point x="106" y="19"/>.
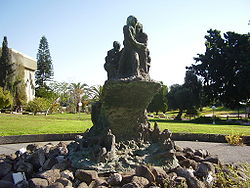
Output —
<point x="71" y="136"/>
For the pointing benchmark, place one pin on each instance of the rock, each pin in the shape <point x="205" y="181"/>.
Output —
<point x="22" y="184"/>
<point x="131" y="185"/>
<point x="188" y="150"/>
<point x="83" y="185"/>
<point x="160" y="175"/>
<point x="114" y="179"/>
<point x="25" y="167"/>
<point x="140" y="181"/>
<point x="212" y="159"/>
<point x="204" y="169"/>
<point x="32" y="147"/>
<point x="181" y="182"/>
<point x="55" y="185"/>
<point x="38" y="182"/>
<point x="8" y="177"/>
<point x="195" y="183"/>
<point x="180" y="156"/>
<point x="86" y="175"/>
<point x="67" y="174"/>
<point x="11" y="157"/>
<point x="178" y="148"/>
<point x="37" y="159"/>
<point x="54" y="152"/>
<point x="192" y="181"/>
<point x="198" y="158"/>
<point x="50" y="175"/>
<point x="98" y="182"/>
<point x="145" y="172"/>
<point x="183" y="172"/>
<point x="6" y="184"/>
<point x="60" y="158"/>
<point x="201" y="153"/>
<point x="64" y="181"/>
<point x="62" y="165"/>
<point x="5" y="168"/>
<point x="127" y="177"/>
<point x="188" y="163"/>
<point x="49" y="163"/>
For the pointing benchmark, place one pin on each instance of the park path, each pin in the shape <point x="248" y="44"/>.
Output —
<point x="225" y="152"/>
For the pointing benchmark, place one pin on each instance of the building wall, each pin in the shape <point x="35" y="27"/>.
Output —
<point x="30" y="67"/>
<point x="29" y="80"/>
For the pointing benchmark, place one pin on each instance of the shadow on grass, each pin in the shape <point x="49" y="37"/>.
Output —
<point x="200" y="120"/>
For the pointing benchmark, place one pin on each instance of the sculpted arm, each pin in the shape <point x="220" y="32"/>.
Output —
<point x="132" y="39"/>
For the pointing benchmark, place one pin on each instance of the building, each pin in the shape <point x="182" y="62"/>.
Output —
<point x="30" y="67"/>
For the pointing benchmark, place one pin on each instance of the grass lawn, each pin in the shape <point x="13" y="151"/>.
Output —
<point x="11" y="124"/>
<point x="186" y="127"/>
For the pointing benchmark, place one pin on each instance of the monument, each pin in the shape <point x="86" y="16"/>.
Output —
<point x="120" y="123"/>
<point x="129" y="89"/>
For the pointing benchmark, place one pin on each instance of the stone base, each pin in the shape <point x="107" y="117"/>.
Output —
<point x="122" y="108"/>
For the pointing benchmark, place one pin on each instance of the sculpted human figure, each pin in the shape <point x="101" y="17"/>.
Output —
<point x="143" y="53"/>
<point x="112" y="61"/>
<point x="129" y="62"/>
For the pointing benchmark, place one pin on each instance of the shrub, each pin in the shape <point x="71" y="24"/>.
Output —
<point x="235" y="140"/>
<point x="6" y="99"/>
<point x="232" y="176"/>
<point x="208" y="120"/>
<point x="38" y="105"/>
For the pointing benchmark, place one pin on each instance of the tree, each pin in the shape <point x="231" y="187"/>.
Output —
<point x="61" y="89"/>
<point x="225" y="68"/>
<point x="95" y="93"/>
<point x="38" y="105"/>
<point x="6" y="67"/>
<point x="192" y="82"/>
<point x="181" y="98"/>
<point x="6" y="99"/>
<point x="19" y="93"/>
<point x="44" y="71"/>
<point x="159" y="102"/>
<point x="77" y="92"/>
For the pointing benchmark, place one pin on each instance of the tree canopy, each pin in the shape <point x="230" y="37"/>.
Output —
<point x="6" y="67"/>
<point x="159" y="102"/>
<point x="6" y="99"/>
<point x="186" y="96"/>
<point x="224" y="68"/>
<point x="44" y="64"/>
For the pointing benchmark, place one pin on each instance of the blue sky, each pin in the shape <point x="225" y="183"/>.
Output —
<point x="80" y="32"/>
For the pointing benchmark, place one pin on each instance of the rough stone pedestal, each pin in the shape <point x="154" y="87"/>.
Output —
<point x="123" y="108"/>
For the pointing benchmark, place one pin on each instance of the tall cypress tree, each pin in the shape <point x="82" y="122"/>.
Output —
<point x="44" y="64"/>
<point x="6" y="67"/>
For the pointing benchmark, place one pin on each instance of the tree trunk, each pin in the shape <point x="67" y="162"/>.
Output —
<point x="238" y="112"/>
<point x="178" y="117"/>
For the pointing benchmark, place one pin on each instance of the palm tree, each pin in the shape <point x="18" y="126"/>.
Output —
<point x="77" y="91"/>
<point x="95" y="92"/>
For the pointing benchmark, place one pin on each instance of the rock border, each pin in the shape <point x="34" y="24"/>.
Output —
<point x="15" y="139"/>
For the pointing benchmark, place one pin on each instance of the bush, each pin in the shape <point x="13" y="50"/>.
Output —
<point x="38" y="105"/>
<point x="6" y="99"/>
<point x="206" y="120"/>
<point x="235" y="140"/>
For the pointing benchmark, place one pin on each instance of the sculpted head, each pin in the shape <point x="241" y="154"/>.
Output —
<point x="139" y="27"/>
<point x="132" y="20"/>
<point x="116" y="45"/>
